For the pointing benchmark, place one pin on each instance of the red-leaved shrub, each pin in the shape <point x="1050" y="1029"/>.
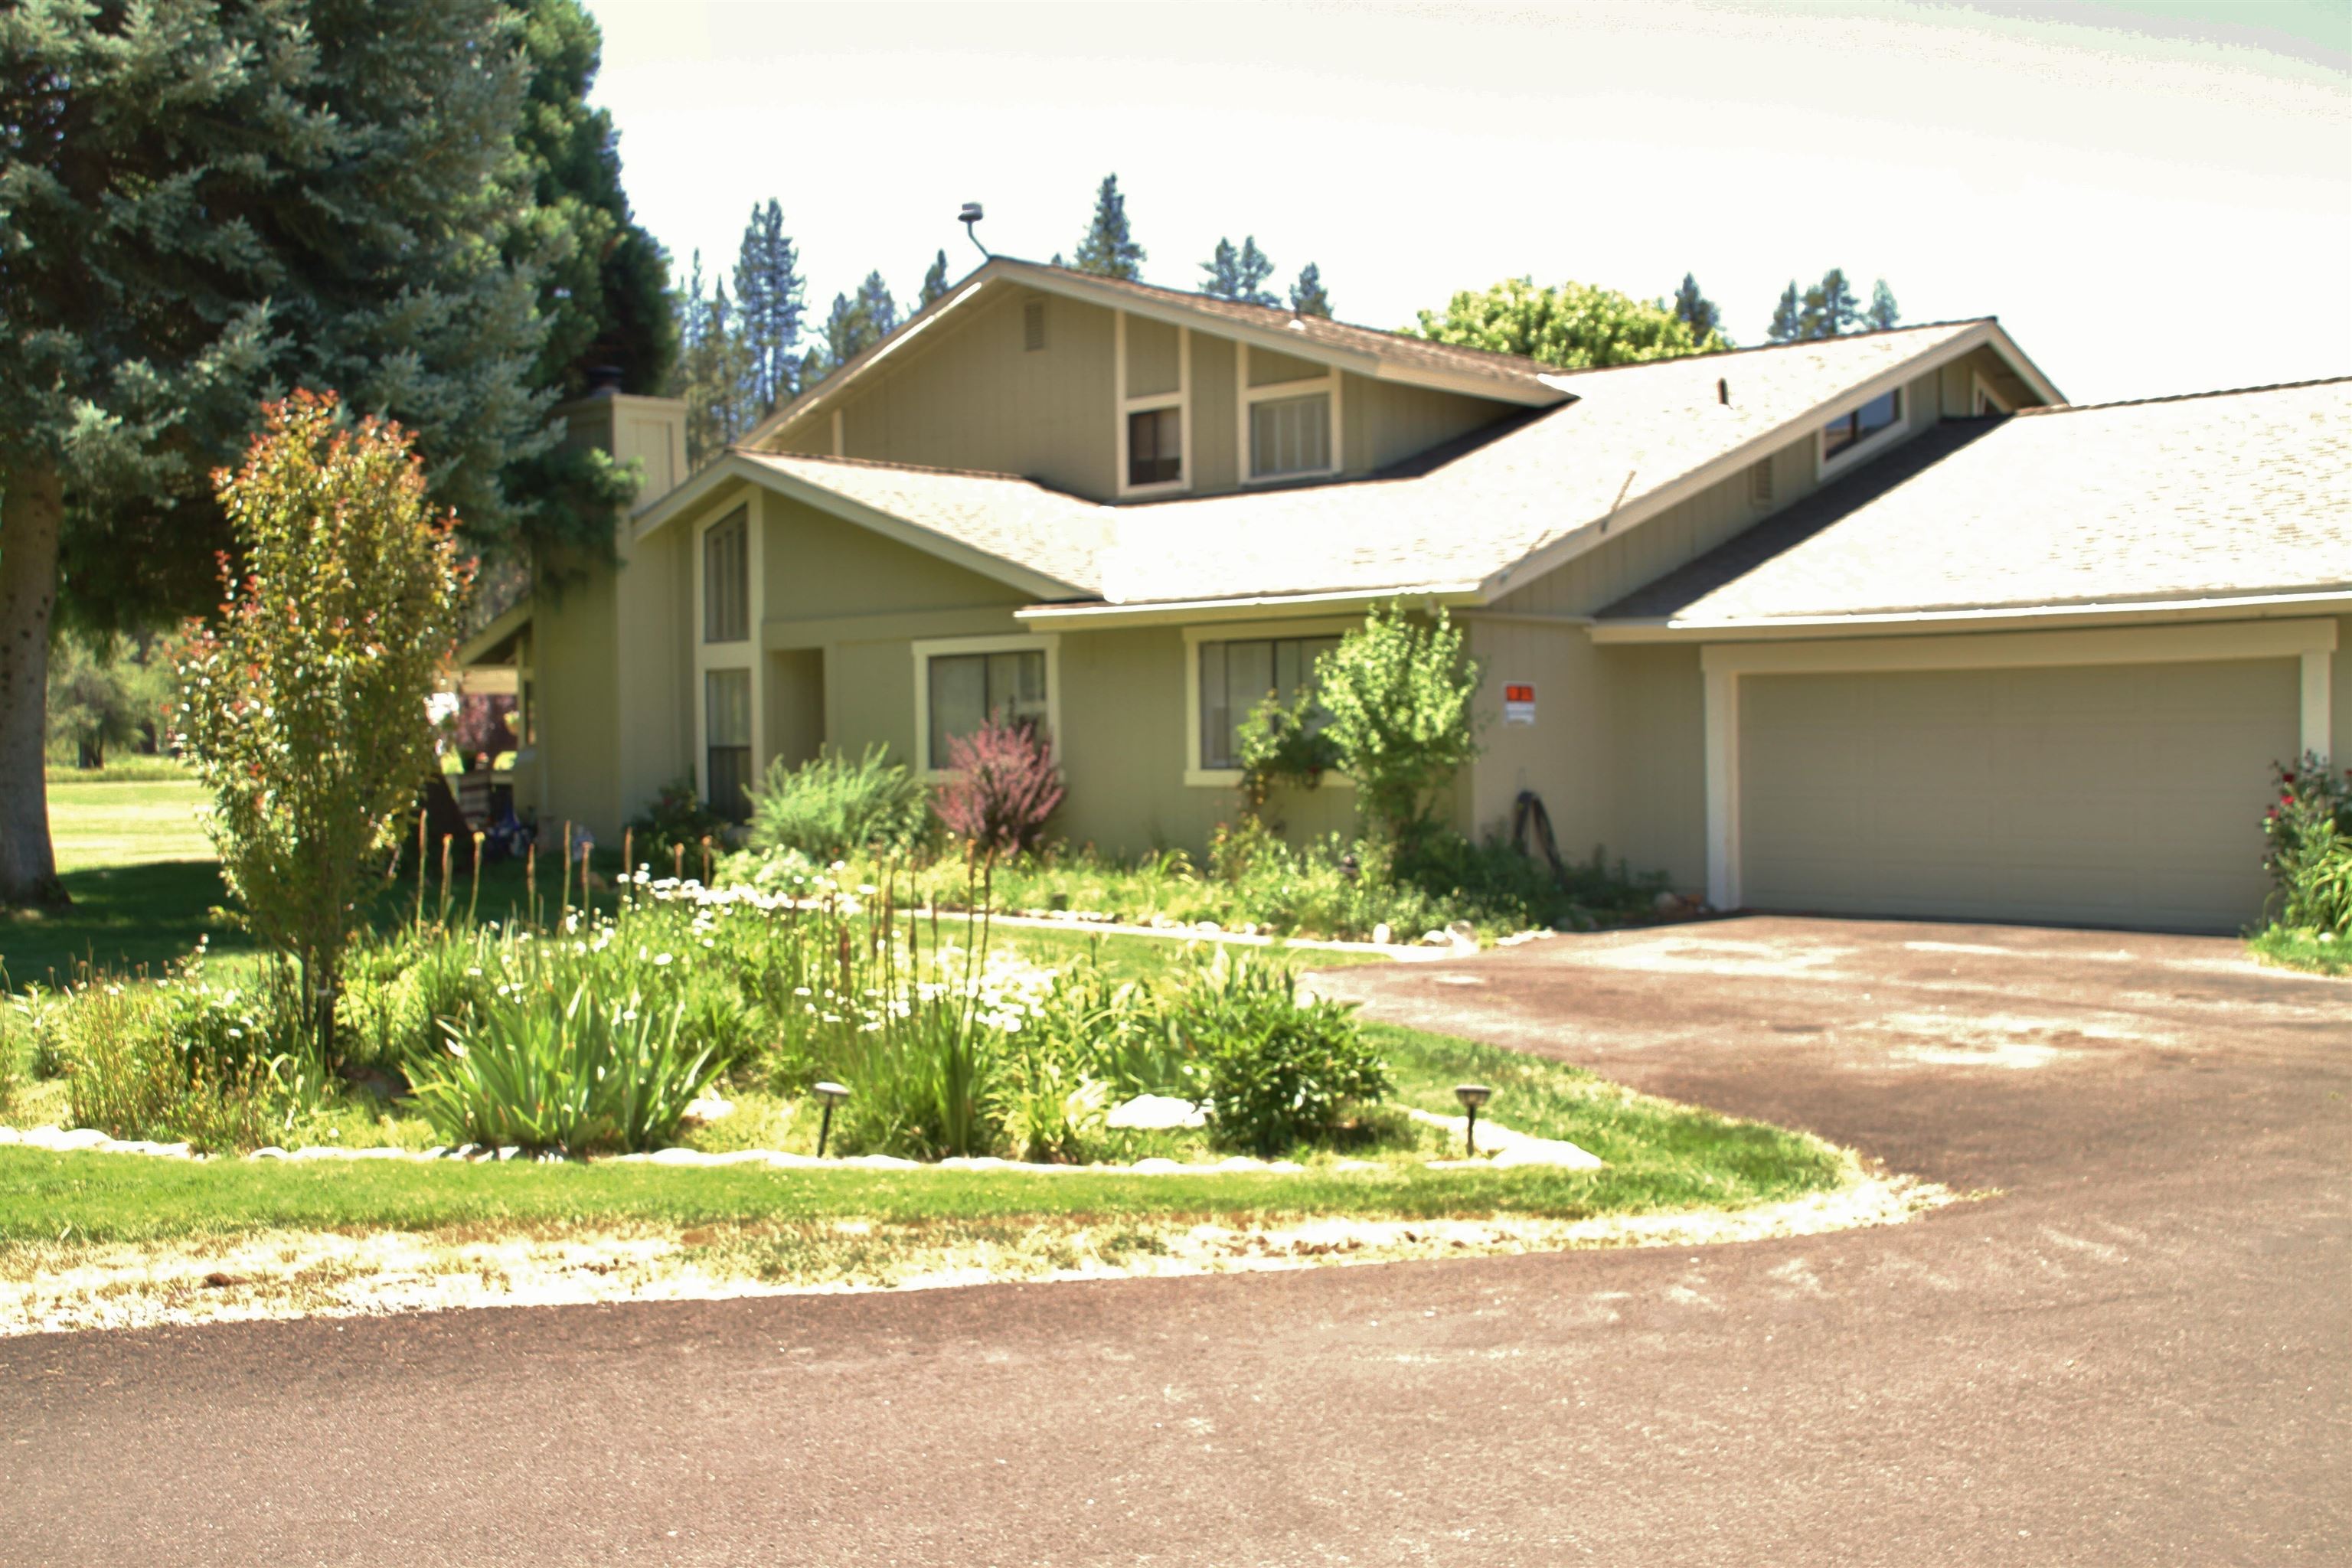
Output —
<point x="1005" y="787"/>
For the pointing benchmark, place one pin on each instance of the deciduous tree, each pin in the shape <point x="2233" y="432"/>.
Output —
<point x="304" y="708"/>
<point x="1573" y="325"/>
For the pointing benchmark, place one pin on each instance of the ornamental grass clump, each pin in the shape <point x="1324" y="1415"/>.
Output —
<point x="576" y="1074"/>
<point x="830" y="808"/>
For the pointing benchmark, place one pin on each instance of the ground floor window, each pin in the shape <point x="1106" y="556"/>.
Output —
<point x="967" y="690"/>
<point x="1235" y="676"/>
<point x="726" y="739"/>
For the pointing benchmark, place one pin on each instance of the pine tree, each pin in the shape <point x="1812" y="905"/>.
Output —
<point x="713" y="372"/>
<point x="880" y="308"/>
<point x="1697" y="311"/>
<point x="1239" y="275"/>
<point x="1108" y="250"/>
<point x="605" y="293"/>
<point x="769" y="295"/>
<point x="935" y="281"/>
<point x="206" y="202"/>
<point x="1308" y="296"/>
<point x="1788" y="317"/>
<point x="1883" y="311"/>
<point x="1836" y="311"/>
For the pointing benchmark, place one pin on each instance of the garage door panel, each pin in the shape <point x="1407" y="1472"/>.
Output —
<point x="2111" y="795"/>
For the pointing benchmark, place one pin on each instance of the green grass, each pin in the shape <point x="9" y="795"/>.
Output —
<point x="1663" y="1156"/>
<point x="2304" y="950"/>
<point x="145" y="884"/>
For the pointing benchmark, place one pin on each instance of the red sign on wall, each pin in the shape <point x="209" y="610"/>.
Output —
<point x="1518" y="703"/>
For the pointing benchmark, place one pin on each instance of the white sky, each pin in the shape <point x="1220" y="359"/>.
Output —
<point x="2154" y="195"/>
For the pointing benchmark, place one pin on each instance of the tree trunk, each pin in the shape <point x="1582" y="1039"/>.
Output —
<point x="32" y="512"/>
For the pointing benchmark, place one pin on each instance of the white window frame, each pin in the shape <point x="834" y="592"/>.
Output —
<point x="1150" y="402"/>
<point x="1980" y="395"/>
<point x="1825" y="464"/>
<point x="928" y="648"/>
<point x="1245" y="397"/>
<point x="1195" y="776"/>
<point x="744" y="655"/>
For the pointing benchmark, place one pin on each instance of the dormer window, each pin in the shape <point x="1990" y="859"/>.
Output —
<point x="1856" y="426"/>
<point x="1860" y="430"/>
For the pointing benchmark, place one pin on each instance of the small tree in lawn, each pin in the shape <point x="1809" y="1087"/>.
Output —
<point x="1005" y="787"/>
<point x="304" y="708"/>
<point x="1399" y="697"/>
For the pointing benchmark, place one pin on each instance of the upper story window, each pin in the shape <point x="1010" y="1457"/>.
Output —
<point x="1238" y="675"/>
<point x="1153" y="377"/>
<point x="1155" y="446"/>
<point x="1290" y="435"/>
<point x="1856" y="426"/>
<point x="727" y="578"/>
<point x="1032" y="326"/>
<point x="1289" y="414"/>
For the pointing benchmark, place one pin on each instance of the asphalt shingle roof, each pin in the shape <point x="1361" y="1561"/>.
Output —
<point x="1050" y="532"/>
<point x="1631" y="431"/>
<point x="2221" y="495"/>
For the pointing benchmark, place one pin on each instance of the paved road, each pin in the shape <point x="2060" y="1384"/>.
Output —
<point x="2140" y="1352"/>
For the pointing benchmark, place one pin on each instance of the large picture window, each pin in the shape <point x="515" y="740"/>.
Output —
<point x="967" y="690"/>
<point x="1852" y="429"/>
<point x="727" y="579"/>
<point x="1235" y="676"/>
<point x="727" y="741"/>
<point x="1290" y="435"/>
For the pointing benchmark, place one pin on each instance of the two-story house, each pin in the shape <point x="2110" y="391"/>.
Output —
<point x="1870" y="625"/>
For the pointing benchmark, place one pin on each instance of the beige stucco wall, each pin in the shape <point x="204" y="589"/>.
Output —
<point x="609" y="657"/>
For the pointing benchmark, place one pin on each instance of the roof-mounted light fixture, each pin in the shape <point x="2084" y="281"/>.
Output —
<point x="971" y="214"/>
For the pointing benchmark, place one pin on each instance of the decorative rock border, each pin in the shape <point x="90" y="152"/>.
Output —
<point x="1510" y="1149"/>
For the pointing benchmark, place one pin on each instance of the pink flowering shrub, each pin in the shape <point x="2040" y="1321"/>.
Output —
<point x="1005" y="786"/>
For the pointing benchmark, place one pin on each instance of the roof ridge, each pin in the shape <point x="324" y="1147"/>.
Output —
<point x="1278" y="313"/>
<point x="1767" y="348"/>
<point x="898" y="466"/>
<point x="2045" y="409"/>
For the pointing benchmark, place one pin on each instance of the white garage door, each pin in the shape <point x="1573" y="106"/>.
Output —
<point x="2113" y="794"/>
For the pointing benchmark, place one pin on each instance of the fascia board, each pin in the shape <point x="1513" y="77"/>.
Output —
<point x="2265" y="606"/>
<point x="1171" y="611"/>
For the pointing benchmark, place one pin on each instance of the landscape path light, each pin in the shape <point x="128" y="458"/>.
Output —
<point x="832" y="1094"/>
<point x="1472" y="1096"/>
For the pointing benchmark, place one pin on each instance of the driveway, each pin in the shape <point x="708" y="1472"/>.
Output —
<point x="2140" y="1349"/>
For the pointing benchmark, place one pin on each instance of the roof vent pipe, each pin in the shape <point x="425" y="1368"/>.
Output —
<point x="1723" y="391"/>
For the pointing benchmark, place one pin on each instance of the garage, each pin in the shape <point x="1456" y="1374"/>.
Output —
<point x="2110" y="794"/>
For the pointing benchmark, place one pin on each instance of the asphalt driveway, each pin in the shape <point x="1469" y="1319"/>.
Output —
<point x="2137" y="1348"/>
